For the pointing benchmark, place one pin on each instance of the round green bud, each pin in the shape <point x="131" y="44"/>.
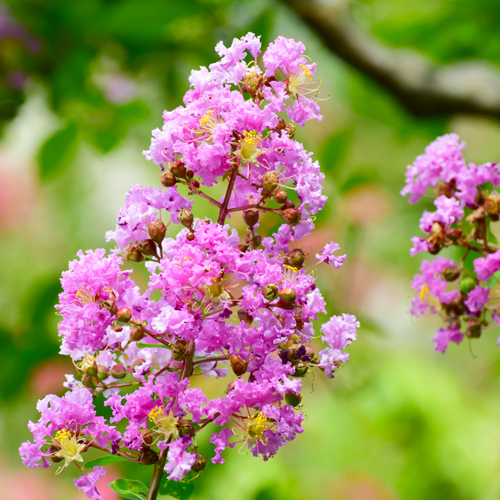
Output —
<point x="270" y="292"/>
<point x="199" y="463"/>
<point x="293" y="399"/>
<point x="300" y="371"/>
<point x="467" y="284"/>
<point x="287" y="294"/>
<point x="185" y="217"/>
<point x="123" y="315"/>
<point x="157" y="230"/>
<point x="270" y="181"/>
<point x="119" y="371"/>
<point x="132" y="254"/>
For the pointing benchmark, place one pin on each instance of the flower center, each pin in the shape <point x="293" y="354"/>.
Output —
<point x="70" y="448"/>
<point x="256" y="427"/>
<point x="166" y="423"/>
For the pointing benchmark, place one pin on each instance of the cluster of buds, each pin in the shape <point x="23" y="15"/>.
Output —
<point x="461" y="290"/>
<point x="215" y="302"/>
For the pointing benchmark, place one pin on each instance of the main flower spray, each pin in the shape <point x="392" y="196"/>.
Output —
<point x="236" y="307"/>
<point x="462" y="289"/>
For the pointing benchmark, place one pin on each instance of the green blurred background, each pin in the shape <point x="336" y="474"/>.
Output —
<point x="84" y="82"/>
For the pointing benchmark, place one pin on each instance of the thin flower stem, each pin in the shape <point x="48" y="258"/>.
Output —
<point x="150" y="333"/>
<point x="157" y="475"/>
<point x="224" y="210"/>
<point x="207" y="360"/>
<point x="209" y="198"/>
<point x="162" y="459"/>
<point x="118" y="453"/>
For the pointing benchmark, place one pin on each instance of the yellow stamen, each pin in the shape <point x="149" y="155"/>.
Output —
<point x="424" y="291"/>
<point x="307" y="73"/>
<point x="205" y="119"/>
<point x="256" y="428"/>
<point x="70" y="450"/>
<point x="294" y="269"/>
<point x="165" y="423"/>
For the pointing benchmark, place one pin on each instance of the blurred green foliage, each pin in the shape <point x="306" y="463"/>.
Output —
<point x="400" y="421"/>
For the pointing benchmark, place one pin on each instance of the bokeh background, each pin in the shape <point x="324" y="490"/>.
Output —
<point x="83" y="83"/>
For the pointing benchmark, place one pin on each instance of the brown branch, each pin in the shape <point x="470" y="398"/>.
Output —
<point x="420" y="85"/>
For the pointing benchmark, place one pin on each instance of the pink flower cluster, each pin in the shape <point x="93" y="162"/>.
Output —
<point x="466" y="202"/>
<point x="218" y="304"/>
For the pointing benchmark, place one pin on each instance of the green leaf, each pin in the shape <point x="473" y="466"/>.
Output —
<point x="140" y="345"/>
<point x="109" y="459"/>
<point x="127" y="488"/>
<point x="182" y="490"/>
<point x="58" y="151"/>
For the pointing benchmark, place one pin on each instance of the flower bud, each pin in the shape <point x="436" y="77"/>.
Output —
<point x="270" y="181"/>
<point x="474" y="329"/>
<point x="295" y="258"/>
<point x="185" y="217"/>
<point x="281" y="196"/>
<point x="287" y="294"/>
<point x="157" y="230"/>
<point x="270" y="292"/>
<point x="293" y="399"/>
<point x="242" y="248"/>
<point x="118" y="371"/>
<point x="110" y="305"/>
<point x="257" y="240"/>
<point x="251" y="217"/>
<point x="199" y="463"/>
<point x="180" y="349"/>
<point x="300" y="371"/>
<point x="147" y="440"/>
<point x="91" y="370"/>
<point x="53" y="450"/>
<point x="186" y="428"/>
<point x="493" y="203"/>
<point x="290" y="129"/>
<point x="287" y="306"/>
<point x="245" y="317"/>
<point x="147" y="247"/>
<point x="281" y="125"/>
<point x="194" y="184"/>
<point x="238" y="365"/>
<point x="451" y="273"/>
<point x="123" y="315"/>
<point x="289" y="204"/>
<point x="467" y="284"/>
<point x="189" y="174"/>
<point x="148" y="457"/>
<point x="437" y="233"/>
<point x="102" y="372"/>
<point x="138" y="362"/>
<point x="136" y="334"/>
<point x="88" y="381"/>
<point x="132" y="254"/>
<point x="190" y="236"/>
<point x="178" y="169"/>
<point x="118" y="328"/>
<point x="168" y="180"/>
<point x="251" y="81"/>
<point x="291" y="216"/>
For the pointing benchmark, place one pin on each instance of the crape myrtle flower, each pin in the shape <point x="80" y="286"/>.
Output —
<point x="467" y="204"/>
<point x="217" y="303"/>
